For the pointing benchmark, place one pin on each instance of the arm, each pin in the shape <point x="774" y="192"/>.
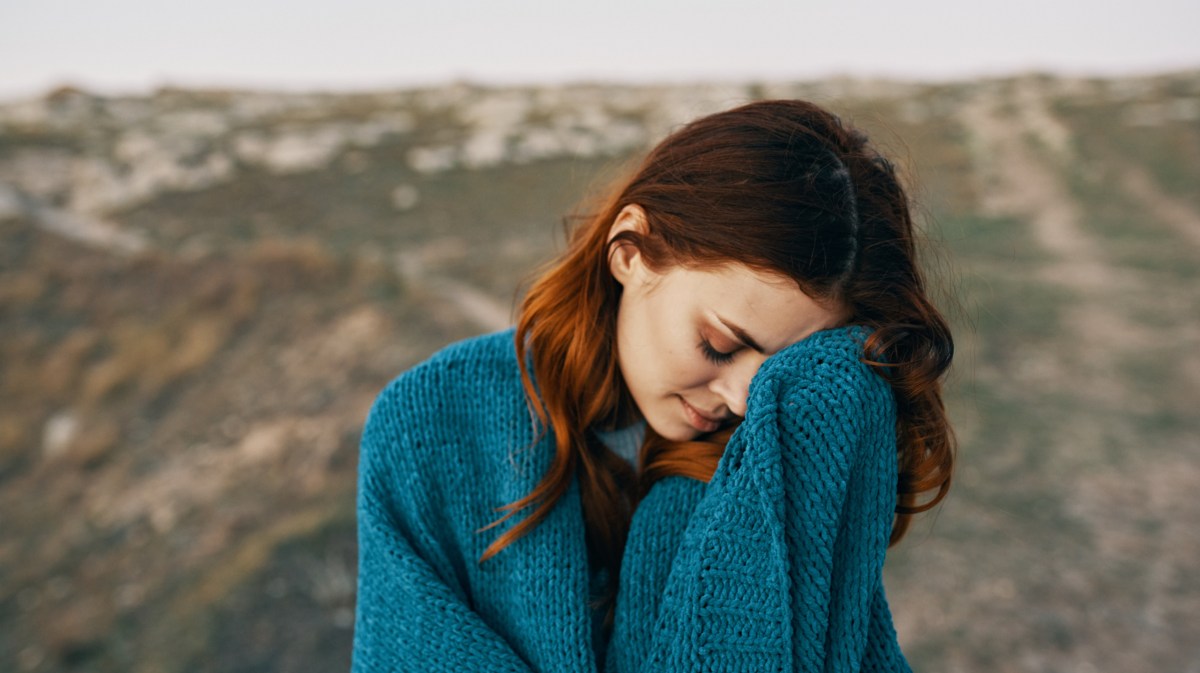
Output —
<point x="409" y="615"/>
<point x="780" y="564"/>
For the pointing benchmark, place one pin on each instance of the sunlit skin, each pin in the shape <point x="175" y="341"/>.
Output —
<point x="690" y="340"/>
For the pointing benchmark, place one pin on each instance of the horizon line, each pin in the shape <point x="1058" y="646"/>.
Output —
<point x="350" y="86"/>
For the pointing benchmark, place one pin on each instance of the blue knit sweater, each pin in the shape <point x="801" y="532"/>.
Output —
<point x="775" y="565"/>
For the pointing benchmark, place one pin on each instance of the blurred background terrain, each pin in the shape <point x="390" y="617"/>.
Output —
<point x="201" y="291"/>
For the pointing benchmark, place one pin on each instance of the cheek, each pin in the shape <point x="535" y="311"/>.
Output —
<point x="662" y="347"/>
<point x="683" y="365"/>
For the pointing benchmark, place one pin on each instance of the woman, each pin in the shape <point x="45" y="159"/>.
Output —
<point x="717" y="410"/>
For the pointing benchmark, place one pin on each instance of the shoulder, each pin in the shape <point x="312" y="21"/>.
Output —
<point x="453" y="378"/>
<point x="434" y="457"/>
<point x="470" y="362"/>
<point x="467" y="394"/>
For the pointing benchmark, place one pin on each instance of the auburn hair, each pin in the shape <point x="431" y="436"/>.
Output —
<point x="780" y="186"/>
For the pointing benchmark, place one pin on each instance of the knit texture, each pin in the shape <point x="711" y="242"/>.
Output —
<point x="775" y="565"/>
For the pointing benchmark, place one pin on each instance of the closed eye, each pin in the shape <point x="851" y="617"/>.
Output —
<point x="715" y="356"/>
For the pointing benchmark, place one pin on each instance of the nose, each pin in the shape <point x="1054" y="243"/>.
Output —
<point x="733" y="385"/>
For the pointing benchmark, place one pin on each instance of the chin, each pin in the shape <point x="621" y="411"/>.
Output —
<point x="674" y="432"/>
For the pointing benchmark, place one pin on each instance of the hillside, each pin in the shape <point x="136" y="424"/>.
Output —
<point x="202" y="291"/>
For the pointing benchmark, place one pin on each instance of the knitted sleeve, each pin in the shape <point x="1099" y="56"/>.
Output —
<point x="409" y="617"/>
<point x="780" y="565"/>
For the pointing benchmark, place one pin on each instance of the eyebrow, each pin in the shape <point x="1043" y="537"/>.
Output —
<point x="742" y="335"/>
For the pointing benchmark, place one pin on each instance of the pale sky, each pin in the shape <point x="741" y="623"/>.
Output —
<point x="135" y="45"/>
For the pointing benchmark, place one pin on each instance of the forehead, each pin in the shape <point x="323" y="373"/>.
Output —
<point x="769" y="307"/>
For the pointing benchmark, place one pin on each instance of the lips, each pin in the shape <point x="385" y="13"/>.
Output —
<point x="698" y="420"/>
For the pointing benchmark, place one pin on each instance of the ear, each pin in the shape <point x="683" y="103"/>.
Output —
<point x="624" y="259"/>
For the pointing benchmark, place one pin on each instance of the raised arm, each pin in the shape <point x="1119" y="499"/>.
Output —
<point x="780" y="565"/>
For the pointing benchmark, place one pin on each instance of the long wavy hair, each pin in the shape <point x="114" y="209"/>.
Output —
<point x="779" y="186"/>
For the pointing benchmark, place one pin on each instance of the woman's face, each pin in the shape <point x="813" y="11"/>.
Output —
<point x="689" y="341"/>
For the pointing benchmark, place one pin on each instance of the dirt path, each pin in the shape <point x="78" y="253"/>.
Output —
<point x="1018" y="182"/>
<point x="1021" y="152"/>
<point x="1092" y="541"/>
<point x="1171" y="211"/>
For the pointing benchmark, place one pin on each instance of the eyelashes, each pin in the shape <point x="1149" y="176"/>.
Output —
<point x="714" y="356"/>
